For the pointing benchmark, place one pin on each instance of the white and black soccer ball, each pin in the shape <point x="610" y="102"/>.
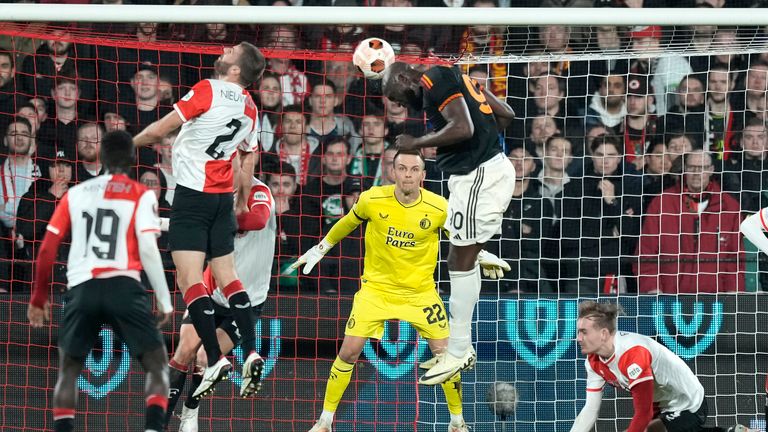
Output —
<point x="372" y="56"/>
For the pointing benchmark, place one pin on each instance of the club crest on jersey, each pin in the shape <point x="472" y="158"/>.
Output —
<point x="188" y="96"/>
<point x="425" y="224"/>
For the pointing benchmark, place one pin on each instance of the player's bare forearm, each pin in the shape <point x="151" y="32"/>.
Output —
<point x="459" y="128"/>
<point x="158" y="130"/>
<point x="503" y="113"/>
<point x="244" y="175"/>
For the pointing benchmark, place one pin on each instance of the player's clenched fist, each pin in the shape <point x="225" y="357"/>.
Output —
<point x="38" y="316"/>
<point x="312" y="257"/>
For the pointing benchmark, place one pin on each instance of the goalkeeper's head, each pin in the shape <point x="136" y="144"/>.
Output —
<point x="408" y="168"/>
<point x="596" y="326"/>
<point x="117" y="152"/>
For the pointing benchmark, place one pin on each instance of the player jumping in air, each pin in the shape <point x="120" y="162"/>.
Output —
<point x="401" y="246"/>
<point x="466" y="120"/>
<point x="666" y="394"/>
<point x="254" y="252"/>
<point x="217" y="117"/>
<point x="114" y="226"/>
<point x="754" y="228"/>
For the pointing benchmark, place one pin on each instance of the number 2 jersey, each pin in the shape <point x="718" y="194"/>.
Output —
<point x="442" y="85"/>
<point x="105" y="216"/>
<point x="219" y="117"/>
<point x="638" y="358"/>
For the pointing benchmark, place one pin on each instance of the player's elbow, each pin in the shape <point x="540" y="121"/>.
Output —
<point x="465" y="130"/>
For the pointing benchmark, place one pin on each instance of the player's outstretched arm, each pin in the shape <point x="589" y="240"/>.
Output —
<point x="341" y="229"/>
<point x="753" y="227"/>
<point x="586" y="419"/>
<point x="501" y="110"/>
<point x="158" y="130"/>
<point x="459" y="127"/>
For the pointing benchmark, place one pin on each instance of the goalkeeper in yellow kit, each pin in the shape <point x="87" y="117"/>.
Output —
<point x="401" y="245"/>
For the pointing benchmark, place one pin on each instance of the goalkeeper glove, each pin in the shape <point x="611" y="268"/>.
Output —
<point x="312" y="256"/>
<point x="493" y="266"/>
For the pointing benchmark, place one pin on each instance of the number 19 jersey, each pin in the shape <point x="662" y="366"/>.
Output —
<point x="105" y="216"/>
<point x="219" y="117"/>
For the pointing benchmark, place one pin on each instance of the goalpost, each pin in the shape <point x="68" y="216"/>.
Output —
<point x="551" y="65"/>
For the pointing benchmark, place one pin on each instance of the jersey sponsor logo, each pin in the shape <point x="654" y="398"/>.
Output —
<point x="260" y="196"/>
<point x="188" y="96"/>
<point x="634" y="370"/>
<point x="400" y="238"/>
<point x="425" y="223"/>
<point x="456" y="236"/>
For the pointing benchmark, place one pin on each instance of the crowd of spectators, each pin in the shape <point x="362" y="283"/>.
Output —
<point x="632" y="175"/>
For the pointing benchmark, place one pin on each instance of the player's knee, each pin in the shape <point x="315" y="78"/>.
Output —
<point x="347" y="357"/>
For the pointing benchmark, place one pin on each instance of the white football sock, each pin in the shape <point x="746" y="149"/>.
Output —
<point x="465" y="291"/>
<point x="327" y="417"/>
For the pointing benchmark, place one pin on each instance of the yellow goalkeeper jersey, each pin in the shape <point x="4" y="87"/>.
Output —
<point x="401" y="241"/>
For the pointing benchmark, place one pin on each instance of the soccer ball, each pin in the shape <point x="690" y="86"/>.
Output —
<point x="372" y="56"/>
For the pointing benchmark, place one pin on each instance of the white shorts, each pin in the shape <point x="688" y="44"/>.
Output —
<point x="478" y="201"/>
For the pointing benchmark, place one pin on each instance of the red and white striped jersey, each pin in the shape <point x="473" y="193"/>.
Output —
<point x="105" y="215"/>
<point x="219" y="117"/>
<point x="638" y="358"/>
<point x="254" y="251"/>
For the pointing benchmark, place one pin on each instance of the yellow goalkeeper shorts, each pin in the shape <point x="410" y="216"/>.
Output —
<point x="371" y="308"/>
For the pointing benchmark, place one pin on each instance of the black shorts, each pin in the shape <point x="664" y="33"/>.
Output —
<point x="121" y="302"/>
<point x="685" y="421"/>
<point x="225" y="321"/>
<point x="203" y="222"/>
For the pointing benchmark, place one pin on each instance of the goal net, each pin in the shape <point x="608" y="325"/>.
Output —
<point x="640" y="148"/>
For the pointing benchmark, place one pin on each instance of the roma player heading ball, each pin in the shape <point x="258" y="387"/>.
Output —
<point x="401" y="245"/>
<point x="466" y="120"/>
<point x="654" y="375"/>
